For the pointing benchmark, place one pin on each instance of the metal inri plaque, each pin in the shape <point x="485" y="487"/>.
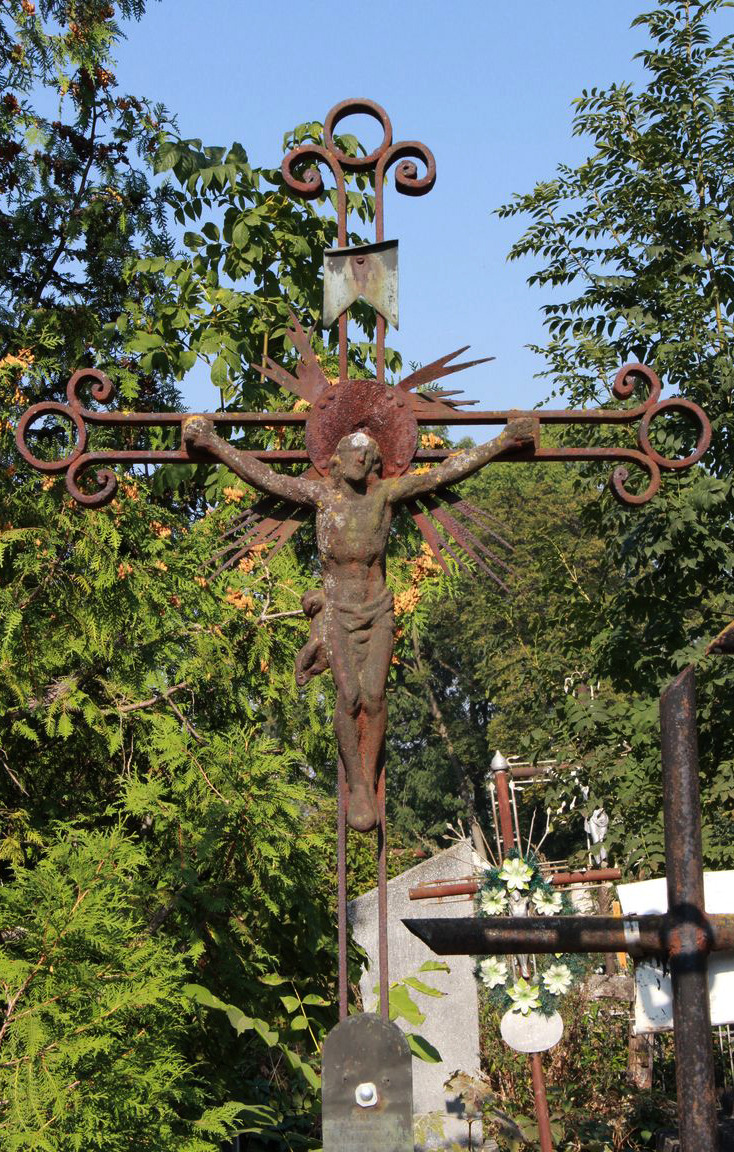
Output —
<point x="369" y="271"/>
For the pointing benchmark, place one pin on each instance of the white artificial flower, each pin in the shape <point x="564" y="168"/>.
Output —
<point x="547" y="903"/>
<point x="516" y="874"/>
<point x="493" y="902"/>
<point x="557" y="979"/>
<point x="524" y="996"/>
<point x="493" y="971"/>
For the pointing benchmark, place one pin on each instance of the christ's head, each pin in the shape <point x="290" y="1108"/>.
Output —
<point x="357" y="456"/>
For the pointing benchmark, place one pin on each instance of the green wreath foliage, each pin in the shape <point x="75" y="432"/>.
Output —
<point x="552" y="976"/>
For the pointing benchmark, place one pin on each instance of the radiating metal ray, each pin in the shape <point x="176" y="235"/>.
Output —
<point x="438" y="368"/>
<point x="310" y="380"/>
<point x="429" y="533"/>
<point x="471" y="544"/>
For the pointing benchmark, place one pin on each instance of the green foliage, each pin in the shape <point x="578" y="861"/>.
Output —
<point x="166" y="706"/>
<point x="641" y="230"/>
<point x="402" y="1006"/>
<point x="148" y="712"/>
<point x="608" y="602"/>
<point x="593" y="1107"/>
<point x="76" y="200"/>
<point x="496" y="662"/>
<point x="95" y="1018"/>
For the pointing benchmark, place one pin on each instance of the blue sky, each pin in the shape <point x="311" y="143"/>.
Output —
<point x="487" y="85"/>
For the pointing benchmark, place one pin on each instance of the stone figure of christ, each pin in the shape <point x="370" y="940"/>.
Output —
<point x="352" y="623"/>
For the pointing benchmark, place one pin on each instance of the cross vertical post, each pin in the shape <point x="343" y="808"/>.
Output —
<point x="688" y="937"/>
<point x="500" y="768"/>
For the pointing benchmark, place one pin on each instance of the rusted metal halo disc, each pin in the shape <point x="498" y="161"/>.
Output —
<point x="369" y="406"/>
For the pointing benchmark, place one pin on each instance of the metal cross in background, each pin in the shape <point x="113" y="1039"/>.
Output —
<point x="508" y="839"/>
<point x="683" y="937"/>
<point x="361" y="438"/>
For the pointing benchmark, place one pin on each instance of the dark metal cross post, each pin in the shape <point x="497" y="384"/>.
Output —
<point x="684" y="936"/>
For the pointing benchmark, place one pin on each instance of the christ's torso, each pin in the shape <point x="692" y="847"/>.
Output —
<point x="352" y="530"/>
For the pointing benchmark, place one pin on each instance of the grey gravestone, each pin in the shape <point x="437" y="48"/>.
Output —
<point x="452" y="1021"/>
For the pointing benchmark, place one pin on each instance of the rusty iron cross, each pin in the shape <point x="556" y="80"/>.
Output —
<point x="361" y="438"/>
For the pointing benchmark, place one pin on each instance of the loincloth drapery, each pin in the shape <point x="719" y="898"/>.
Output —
<point x="360" y="621"/>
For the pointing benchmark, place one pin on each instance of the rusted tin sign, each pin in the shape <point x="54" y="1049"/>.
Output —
<point x="367" y="1088"/>
<point x="369" y="272"/>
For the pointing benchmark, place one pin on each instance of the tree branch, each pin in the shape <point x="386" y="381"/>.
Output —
<point x="71" y="214"/>
<point x="187" y="724"/>
<point x="151" y="702"/>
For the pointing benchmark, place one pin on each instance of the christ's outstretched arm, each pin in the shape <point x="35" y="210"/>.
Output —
<point x="519" y="433"/>
<point x="198" y="432"/>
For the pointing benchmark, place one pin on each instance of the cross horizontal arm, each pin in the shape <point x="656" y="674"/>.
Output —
<point x="82" y="418"/>
<point x="510" y="935"/>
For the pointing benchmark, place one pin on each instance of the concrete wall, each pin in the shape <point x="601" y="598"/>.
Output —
<point x="452" y="1021"/>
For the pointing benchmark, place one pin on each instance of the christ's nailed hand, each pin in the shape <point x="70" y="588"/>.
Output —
<point x="521" y="432"/>
<point x="197" y="430"/>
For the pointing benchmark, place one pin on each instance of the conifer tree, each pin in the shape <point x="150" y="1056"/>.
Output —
<point x="166" y="839"/>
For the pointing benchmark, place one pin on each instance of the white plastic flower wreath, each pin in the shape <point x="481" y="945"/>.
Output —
<point x="518" y="887"/>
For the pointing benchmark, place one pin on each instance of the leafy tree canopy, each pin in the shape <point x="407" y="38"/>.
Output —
<point x="167" y="818"/>
<point x="635" y="246"/>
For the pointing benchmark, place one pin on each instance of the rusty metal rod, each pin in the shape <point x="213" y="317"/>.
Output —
<point x="382" y="895"/>
<point x="688" y="935"/>
<point x="277" y="418"/>
<point x="504" y="803"/>
<point x="341" y="837"/>
<point x="527" y="771"/>
<point x="436" y="891"/>
<point x="510" y="935"/>
<point x="541" y="1102"/>
<point x="447" y="415"/>
<point x="586" y="876"/>
<point x="471" y="887"/>
<point x="505" y="806"/>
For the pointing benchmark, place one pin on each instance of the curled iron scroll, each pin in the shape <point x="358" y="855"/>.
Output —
<point x="355" y="108"/>
<point x="76" y="461"/>
<point x="310" y="183"/>
<point x="648" y="458"/>
<point x="644" y="456"/>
